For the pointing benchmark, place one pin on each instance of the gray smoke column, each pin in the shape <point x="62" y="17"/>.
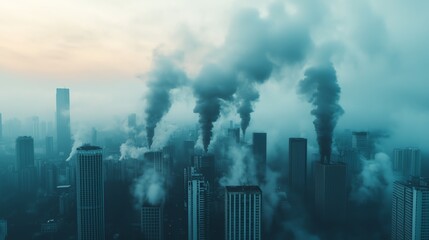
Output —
<point x="321" y="88"/>
<point x="165" y="77"/>
<point x="212" y="86"/>
<point x="254" y="48"/>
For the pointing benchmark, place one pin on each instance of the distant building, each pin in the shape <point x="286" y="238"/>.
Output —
<point x="49" y="146"/>
<point x="205" y="164"/>
<point x="259" y="148"/>
<point x="361" y="142"/>
<point x="152" y="218"/>
<point x="198" y="207"/>
<point x="407" y="162"/>
<point x="90" y="193"/>
<point x="25" y="167"/>
<point x="234" y="134"/>
<point x="63" y="122"/>
<point x="330" y="192"/>
<point x="410" y="210"/>
<point x="298" y="165"/>
<point x="64" y="199"/>
<point x="243" y="218"/>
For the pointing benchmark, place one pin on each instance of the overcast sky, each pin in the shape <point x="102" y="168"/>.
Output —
<point x="102" y="50"/>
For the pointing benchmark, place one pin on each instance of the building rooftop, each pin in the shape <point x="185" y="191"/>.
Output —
<point x="87" y="147"/>
<point x="243" y="189"/>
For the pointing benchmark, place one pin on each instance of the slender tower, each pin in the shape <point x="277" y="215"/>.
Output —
<point x="63" y="122"/>
<point x="90" y="193"/>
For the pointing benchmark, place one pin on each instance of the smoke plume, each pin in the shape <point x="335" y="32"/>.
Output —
<point x="254" y="48"/>
<point x="149" y="188"/>
<point x="80" y="137"/>
<point x="165" y="77"/>
<point x="321" y="88"/>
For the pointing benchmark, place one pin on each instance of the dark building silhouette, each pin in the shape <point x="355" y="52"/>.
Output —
<point x="63" y="122"/>
<point x="298" y="165"/>
<point x="410" y="209"/>
<point x="407" y="162"/>
<point x="90" y="193"/>
<point x="259" y="148"/>
<point x="330" y="192"/>
<point x="234" y="134"/>
<point x="243" y="212"/>
<point x="362" y="144"/>
<point x="25" y="168"/>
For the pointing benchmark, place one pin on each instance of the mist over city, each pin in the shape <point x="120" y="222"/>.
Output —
<point x="214" y="120"/>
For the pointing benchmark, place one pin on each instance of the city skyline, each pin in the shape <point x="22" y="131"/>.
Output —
<point x="203" y="120"/>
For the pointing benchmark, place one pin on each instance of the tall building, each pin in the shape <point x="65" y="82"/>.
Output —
<point x="152" y="218"/>
<point x="63" y="122"/>
<point x="234" y="134"/>
<point x="24" y="152"/>
<point x="90" y="193"/>
<point x="198" y="207"/>
<point x="330" y="192"/>
<point x="25" y="168"/>
<point x="407" y="162"/>
<point x="361" y="142"/>
<point x="243" y="206"/>
<point x="35" y="131"/>
<point x="205" y="164"/>
<point x="259" y="148"/>
<point x="410" y="210"/>
<point x="298" y="165"/>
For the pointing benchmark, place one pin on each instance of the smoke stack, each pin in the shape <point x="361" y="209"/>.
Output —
<point x="162" y="79"/>
<point x="321" y="88"/>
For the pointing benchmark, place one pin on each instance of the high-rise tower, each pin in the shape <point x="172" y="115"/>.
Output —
<point x="63" y="122"/>
<point x="198" y="207"/>
<point x="25" y="164"/>
<point x="90" y="193"/>
<point x="259" y="148"/>
<point x="243" y="206"/>
<point x="410" y="210"/>
<point x="298" y="165"/>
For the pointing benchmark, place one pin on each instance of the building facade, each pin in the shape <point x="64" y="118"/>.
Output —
<point x="410" y="210"/>
<point x="259" y="149"/>
<point x="298" y="165"/>
<point x="63" y="122"/>
<point x="198" y="207"/>
<point x="90" y="193"/>
<point x="243" y="207"/>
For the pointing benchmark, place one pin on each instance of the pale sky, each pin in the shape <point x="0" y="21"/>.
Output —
<point x="99" y="49"/>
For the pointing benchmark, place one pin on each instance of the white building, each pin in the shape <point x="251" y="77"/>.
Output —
<point x="90" y="193"/>
<point x="410" y="210"/>
<point x="198" y="207"/>
<point x="243" y="206"/>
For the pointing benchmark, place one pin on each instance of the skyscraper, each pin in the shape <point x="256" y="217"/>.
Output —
<point x="259" y="148"/>
<point x="25" y="168"/>
<point x="410" y="210"/>
<point x="361" y="142"/>
<point x="407" y="162"/>
<point x="63" y="122"/>
<point x="152" y="218"/>
<point x="243" y="206"/>
<point x="198" y="207"/>
<point x="298" y="165"/>
<point x="49" y="146"/>
<point x="330" y="194"/>
<point x="24" y="152"/>
<point x="90" y="193"/>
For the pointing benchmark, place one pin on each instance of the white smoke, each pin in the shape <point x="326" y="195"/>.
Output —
<point x="164" y="130"/>
<point x="270" y="196"/>
<point x="80" y="137"/>
<point x="376" y="178"/>
<point x="242" y="169"/>
<point x="149" y="188"/>
<point x="130" y="150"/>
